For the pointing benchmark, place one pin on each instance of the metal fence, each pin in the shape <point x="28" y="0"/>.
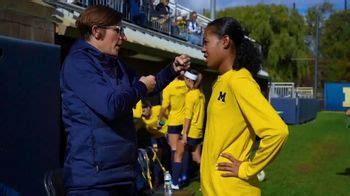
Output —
<point x="288" y="90"/>
<point x="282" y="90"/>
<point x="305" y="92"/>
<point x="149" y="19"/>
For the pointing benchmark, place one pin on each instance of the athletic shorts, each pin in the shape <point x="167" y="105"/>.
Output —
<point x="193" y="142"/>
<point x="175" y="129"/>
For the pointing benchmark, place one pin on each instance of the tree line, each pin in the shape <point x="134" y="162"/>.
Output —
<point x="287" y="41"/>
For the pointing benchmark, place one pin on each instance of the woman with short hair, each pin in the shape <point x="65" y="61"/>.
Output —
<point x="98" y="93"/>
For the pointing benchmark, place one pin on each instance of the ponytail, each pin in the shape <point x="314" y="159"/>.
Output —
<point x="248" y="56"/>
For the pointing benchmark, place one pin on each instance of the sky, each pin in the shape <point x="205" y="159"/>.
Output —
<point x="301" y="5"/>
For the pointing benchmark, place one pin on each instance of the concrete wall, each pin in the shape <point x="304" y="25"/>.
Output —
<point x="30" y="20"/>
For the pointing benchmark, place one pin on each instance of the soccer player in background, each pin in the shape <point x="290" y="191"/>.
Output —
<point x="173" y="100"/>
<point x="193" y="124"/>
<point x="160" y="146"/>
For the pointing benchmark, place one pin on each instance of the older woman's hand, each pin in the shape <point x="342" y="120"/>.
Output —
<point x="181" y="63"/>
<point x="231" y="167"/>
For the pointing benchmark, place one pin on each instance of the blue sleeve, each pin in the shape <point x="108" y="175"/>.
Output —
<point x="163" y="78"/>
<point x="86" y="81"/>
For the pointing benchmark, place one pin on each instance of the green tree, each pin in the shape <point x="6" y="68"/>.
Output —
<point x="280" y="31"/>
<point x="324" y="10"/>
<point x="335" y="47"/>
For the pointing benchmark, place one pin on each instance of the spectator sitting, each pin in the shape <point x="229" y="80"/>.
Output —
<point x="157" y="130"/>
<point x="194" y="30"/>
<point x="179" y="29"/>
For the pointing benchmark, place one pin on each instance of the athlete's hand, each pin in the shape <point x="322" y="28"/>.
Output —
<point x="184" y="139"/>
<point x="158" y="125"/>
<point x="231" y="167"/>
<point x="149" y="81"/>
<point x="181" y="63"/>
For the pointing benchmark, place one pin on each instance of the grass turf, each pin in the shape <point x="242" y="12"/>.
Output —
<point x="314" y="161"/>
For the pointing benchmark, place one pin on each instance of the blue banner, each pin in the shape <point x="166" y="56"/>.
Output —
<point x="337" y="96"/>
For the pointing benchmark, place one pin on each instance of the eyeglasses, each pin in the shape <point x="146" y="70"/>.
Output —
<point x="116" y="28"/>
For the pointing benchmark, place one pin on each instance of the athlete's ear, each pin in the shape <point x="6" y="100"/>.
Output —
<point x="226" y="41"/>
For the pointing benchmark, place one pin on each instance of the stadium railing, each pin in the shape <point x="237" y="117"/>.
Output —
<point x="170" y="26"/>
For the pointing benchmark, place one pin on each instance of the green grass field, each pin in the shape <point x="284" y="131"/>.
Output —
<point x="314" y="161"/>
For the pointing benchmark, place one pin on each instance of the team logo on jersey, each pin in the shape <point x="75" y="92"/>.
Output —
<point x="222" y="96"/>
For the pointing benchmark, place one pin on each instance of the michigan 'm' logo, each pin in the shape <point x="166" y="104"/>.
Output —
<point x="222" y="96"/>
<point x="346" y="102"/>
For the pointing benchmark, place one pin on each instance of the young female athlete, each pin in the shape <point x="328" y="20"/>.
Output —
<point x="192" y="130"/>
<point x="237" y="113"/>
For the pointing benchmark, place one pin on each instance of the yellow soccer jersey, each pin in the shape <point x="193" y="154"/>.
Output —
<point x="137" y="111"/>
<point x="174" y="97"/>
<point x="194" y="110"/>
<point x="237" y="112"/>
<point x="151" y="123"/>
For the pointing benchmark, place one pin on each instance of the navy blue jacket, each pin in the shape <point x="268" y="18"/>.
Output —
<point x="98" y="93"/>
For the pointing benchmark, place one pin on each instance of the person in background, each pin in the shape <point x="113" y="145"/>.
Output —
<point x="194" y="30"/>
<point x="163" y="11"/>
<point x="137" y="114"/>
<point x="174" y="102"/>
<point x="192" y="130"/>
<point x="138" y="16"/>
<point x="179" y="28"/>
<point x="137" y="110"/>
<point x="237" y="112"/>
<point x="160" y="146"/>
<point x="98" y="93"/>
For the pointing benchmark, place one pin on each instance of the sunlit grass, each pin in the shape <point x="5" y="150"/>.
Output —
<point x="314" y="161"/>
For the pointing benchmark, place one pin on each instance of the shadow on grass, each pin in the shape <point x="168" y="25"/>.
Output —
<point x="345" y="173"/>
